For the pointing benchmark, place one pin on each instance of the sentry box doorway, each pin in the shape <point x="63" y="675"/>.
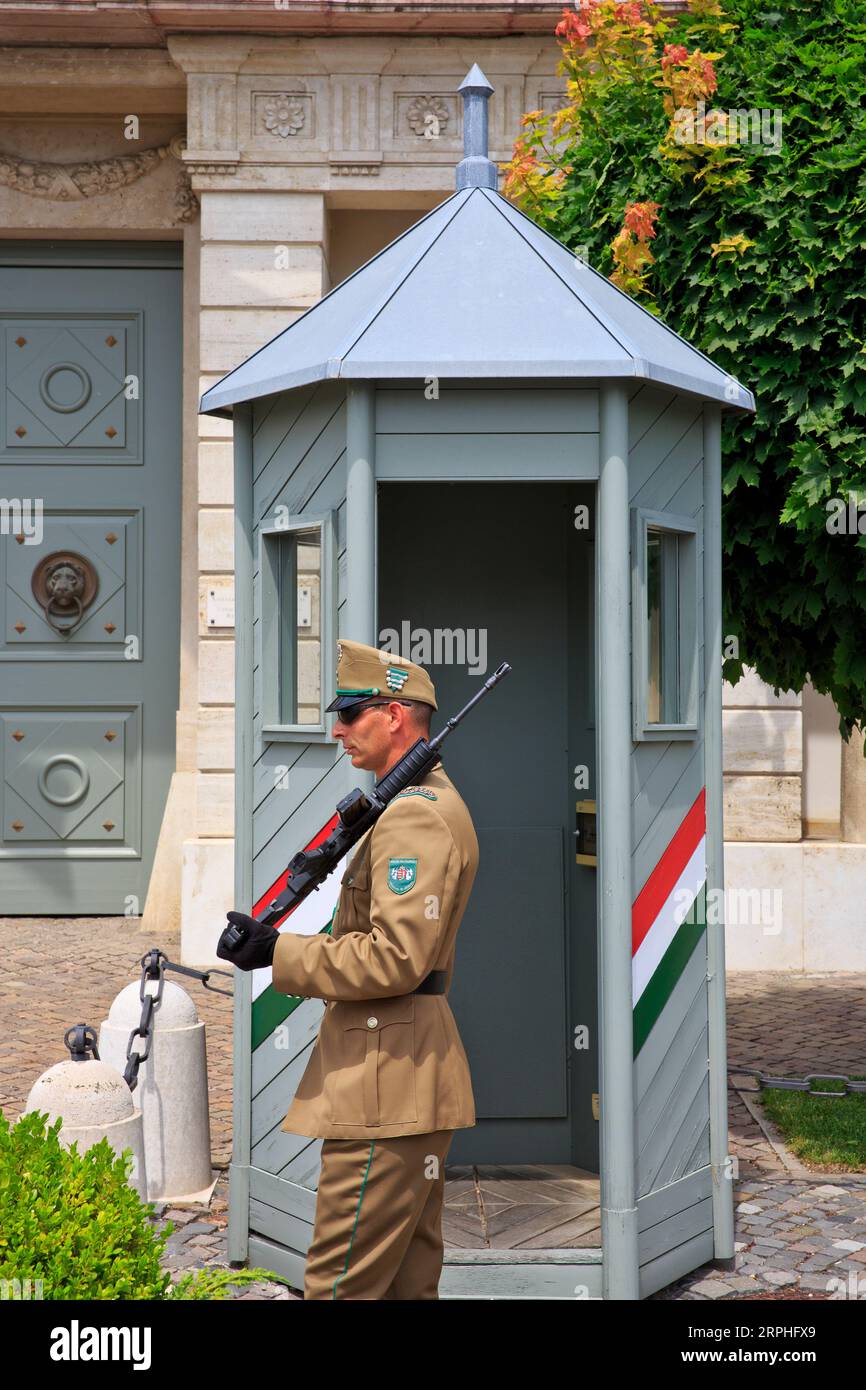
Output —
<point x="476" y="449"/>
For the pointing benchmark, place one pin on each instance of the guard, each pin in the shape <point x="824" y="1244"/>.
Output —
<point x="387" y="1082"/>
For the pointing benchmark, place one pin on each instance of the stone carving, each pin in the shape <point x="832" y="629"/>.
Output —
<point x="186" y="206"/>
<point x="427" y="116"/>
<point x="69" y="183"/>
<point x="185" y="202"/>
<point x="283" y="114"/>
<point x="199" y="167"/>
<point x="345" y="168"/>
<point x="74" y="182"/>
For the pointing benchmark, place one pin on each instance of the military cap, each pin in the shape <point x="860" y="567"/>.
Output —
<point x="366" y="672"/>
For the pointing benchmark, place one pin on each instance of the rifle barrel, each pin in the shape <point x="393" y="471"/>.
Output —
<point x="455" y="719"/>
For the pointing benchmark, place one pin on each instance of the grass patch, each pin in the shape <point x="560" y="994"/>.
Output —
<point x="821" y="1130"/>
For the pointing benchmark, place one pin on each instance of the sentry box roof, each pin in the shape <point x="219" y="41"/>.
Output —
<point x="475" y="289"/>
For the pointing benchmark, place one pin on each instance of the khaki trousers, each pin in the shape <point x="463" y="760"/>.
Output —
<point x="378" y="1227"/>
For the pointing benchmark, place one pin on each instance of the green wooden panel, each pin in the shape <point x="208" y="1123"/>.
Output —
<point x="677" y="1260"/>
<point x="484" y="410"/>
<point x="504" y="457"/>
<point x="670" y="1079"/>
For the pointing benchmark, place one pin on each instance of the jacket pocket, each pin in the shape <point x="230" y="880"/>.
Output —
<point x="375" y="1085"/>
<point x="353" y="912"/>
<point x="357" y="875"/>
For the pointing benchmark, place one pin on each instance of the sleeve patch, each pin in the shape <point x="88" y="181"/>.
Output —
<point x="417" y="791"/>
<point x="402" y="874"/>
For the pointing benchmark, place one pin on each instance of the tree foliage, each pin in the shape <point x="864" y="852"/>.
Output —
<point x="713" y="164"/>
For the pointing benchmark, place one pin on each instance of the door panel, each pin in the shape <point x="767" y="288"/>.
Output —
<point x="90" y="470"/>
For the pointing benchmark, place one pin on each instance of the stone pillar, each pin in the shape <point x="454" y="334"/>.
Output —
<point x="262" y="263"/>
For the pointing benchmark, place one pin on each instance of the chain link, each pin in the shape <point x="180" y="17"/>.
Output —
<point x="153" y="967"/>
<point x="797" y="1083"/>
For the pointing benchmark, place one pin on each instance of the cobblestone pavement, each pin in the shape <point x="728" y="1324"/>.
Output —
<point x="199" y="1241"/>
<point x="799" y="1232"/>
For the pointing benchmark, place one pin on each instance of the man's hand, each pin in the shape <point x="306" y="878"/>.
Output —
<point x="257" y="947"/>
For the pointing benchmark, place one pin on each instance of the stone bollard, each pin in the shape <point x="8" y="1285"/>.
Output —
<point x="94" y="1102"/>
<point x="171" y="1090"/>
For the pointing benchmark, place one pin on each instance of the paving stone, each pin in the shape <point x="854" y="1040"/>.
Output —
<point x="817" y="1262"/>
<point x="785" y="1260"/>
<point x="198" y="1227"/>
<point x="184" y="1260"/>
<point x="779" y="1277"/>
<point x="712" y="1288"/>
<point x="816" y="1282"/>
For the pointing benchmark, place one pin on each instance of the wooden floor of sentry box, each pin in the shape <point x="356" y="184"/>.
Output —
<point x="530" y="1206"/>
<point x="521" y="1231"/>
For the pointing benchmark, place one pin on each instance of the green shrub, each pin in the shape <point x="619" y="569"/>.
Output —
<point x="70" y="1222"/>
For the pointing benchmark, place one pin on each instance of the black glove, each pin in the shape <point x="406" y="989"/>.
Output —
<point x="258" y="944"/>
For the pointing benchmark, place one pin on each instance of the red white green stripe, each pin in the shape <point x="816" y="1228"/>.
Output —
<point x="314" y="914"/>
<point x="668" y="920"/>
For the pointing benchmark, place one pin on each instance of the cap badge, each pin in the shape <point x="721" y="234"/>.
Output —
<point x="395" y="679"/>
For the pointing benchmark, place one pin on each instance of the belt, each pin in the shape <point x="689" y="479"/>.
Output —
<point x="434" y="983"/>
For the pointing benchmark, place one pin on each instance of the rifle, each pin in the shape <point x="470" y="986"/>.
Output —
<point x="357" y="812"/>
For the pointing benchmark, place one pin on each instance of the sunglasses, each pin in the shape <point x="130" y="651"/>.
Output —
<point x="349" y="715"/>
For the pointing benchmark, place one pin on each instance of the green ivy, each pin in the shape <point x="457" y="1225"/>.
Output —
<point x="785" y="315"/>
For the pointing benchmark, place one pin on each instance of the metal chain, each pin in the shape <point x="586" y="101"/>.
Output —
<point x="81" y="1041"/>
<point x="153" y="967"/>
<point x="796" y="1083"/>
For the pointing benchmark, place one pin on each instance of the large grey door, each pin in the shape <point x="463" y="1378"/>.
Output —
<point x="502" y="566"/>
<point x="90" y="436"/>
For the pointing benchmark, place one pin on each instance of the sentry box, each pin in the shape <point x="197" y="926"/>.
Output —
<point x="476" y="449"/>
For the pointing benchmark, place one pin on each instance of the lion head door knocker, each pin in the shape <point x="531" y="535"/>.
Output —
<point x="65" y="584"/>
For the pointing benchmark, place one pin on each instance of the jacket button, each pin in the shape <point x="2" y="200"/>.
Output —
<point x="350" y="880"/>
<point x="372" y="1022"/>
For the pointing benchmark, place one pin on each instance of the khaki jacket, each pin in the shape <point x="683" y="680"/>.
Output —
<point x="387" y="1061"/>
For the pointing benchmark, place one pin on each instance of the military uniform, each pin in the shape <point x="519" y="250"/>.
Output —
<point x="388" y="1080"/>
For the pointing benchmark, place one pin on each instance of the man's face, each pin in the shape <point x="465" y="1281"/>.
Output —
<point x="368" y="740"/>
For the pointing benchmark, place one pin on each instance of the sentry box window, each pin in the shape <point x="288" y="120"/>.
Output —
<point x="664" y="626"/>
<point x="298" y="621"/>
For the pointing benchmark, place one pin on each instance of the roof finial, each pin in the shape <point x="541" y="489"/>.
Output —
<point x="475" y="170"/>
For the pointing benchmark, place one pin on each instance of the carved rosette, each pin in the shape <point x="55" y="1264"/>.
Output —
<point x="283" y="115"/>
<point x="427" y="116"/>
